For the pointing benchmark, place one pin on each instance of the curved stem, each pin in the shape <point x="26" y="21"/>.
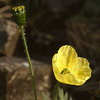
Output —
<point x="29" y="60"/>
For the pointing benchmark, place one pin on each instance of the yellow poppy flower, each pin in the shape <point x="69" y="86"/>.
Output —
<point x="70" y="69"/>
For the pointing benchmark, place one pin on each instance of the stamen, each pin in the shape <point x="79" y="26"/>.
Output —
<point x="65" y="71"/>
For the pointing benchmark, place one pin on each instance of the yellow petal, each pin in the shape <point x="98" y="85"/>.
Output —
<point x="66" y="79"/>
<point x="64" y="57"/>
<point x="81" y="70"/>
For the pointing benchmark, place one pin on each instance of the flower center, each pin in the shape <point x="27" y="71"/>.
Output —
<point x="65" y="71"/>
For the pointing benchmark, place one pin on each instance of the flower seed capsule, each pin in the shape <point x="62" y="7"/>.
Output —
<point x="19" y="15"/>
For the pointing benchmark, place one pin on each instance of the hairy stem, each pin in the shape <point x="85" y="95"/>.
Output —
<point x="29" y="60"/>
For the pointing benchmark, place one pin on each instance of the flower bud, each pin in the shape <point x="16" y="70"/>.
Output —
<point x="19" y="15"/>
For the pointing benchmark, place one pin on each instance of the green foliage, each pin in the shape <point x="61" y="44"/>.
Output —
<point x="45" y="97"/>
<point x="62" y="95"/>
<point x="58" y="94"/>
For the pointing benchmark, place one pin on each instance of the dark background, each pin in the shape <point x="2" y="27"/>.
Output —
<point x="53" y="23"/>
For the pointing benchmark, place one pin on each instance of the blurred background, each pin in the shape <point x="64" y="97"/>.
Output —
<point x="50" y="24"/>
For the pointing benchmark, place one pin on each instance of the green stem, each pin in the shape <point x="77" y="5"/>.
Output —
<point x="55" y="92"/>
<point x="29" y="60"/>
